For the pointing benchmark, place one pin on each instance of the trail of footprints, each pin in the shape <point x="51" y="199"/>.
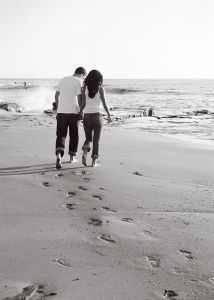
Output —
<point x="153" y="261"/>
<point x="43" y="291"/>
<point x="94" y="221"/>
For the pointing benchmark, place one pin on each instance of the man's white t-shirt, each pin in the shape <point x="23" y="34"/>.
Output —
<point x="69" y="87"/>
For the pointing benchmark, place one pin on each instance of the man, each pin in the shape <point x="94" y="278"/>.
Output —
<point x="68" y="98"/>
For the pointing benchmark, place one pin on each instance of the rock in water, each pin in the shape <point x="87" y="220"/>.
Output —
<point x="48" y="111"/>
<point x="51" y="111"/>
<point x="11" y="107"/>
<point x="201" y="112"/>
<point x="150" y="112"/>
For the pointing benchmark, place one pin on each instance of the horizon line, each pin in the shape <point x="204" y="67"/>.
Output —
<point x="149" y="78"/>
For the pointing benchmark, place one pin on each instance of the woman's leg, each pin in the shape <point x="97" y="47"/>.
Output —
<point x="97" y="122"/>
<point x="87" y="124"/>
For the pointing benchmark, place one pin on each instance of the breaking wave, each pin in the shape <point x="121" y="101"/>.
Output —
<point x="116" y="90"/>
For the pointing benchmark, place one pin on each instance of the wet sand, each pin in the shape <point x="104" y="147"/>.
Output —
<point x="139" y="226"/>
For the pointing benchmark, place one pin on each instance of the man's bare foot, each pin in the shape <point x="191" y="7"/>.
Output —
<point x="94" y="162"/>
<point x="73" y="159"/>
<point x="58" y="162"/>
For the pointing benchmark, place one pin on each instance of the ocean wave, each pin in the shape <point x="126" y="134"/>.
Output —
<point x="31" y="100"/>
<point x="116" y="90"/>
<point x="173" y="93"/>
<point x="121" y="90"/>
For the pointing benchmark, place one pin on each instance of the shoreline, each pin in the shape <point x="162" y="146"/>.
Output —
<point x="197" y="142"/>
<point x="140" y="225"/>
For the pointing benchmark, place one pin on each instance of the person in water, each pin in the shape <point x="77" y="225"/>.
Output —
<point x="93" y="98"/>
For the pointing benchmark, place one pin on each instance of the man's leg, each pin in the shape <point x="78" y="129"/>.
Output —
<point x="74" y="136"/>
<point x="61" y="132"/>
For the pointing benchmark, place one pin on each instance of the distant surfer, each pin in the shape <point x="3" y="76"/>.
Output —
<point x="24" y="84"/>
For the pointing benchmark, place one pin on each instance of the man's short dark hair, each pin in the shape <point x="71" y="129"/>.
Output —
<point x="80" y="71"/>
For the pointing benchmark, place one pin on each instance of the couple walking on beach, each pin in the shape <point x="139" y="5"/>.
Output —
<point x="79" y="97"/>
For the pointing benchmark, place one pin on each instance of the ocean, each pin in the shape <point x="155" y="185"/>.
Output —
<point x="182" y="109"/>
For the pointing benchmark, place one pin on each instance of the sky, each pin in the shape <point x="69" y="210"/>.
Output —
<point x="121" y="38"/>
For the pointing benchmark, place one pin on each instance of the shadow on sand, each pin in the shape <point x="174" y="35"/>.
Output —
<point x="34" y="169"/>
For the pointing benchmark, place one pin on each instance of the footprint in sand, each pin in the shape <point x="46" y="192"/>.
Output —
<point x="86" y="179"/>
<point x="138" y="173"/>
<point x="59" y="175"/>
<point x="154" y="261"/>
<point x="69" y="206"/>
<point x="211" y="279"/>
<point x="26" y="293"/>
<point x="63" y="262"/>
<point x="71" y="194"/>
<point x="43" y="293"/>
<point x="187" y="254"/>
<point x="146" y="234"/>
<point x="97" y="196"/>
<point x="95" y="221"/>
<point x="102" y="189"/>
<point x="169" y="294"/>
<point x="82" y="172"/>
<point x="45" y="183"/>
<point x="75" y="279"/>
<point x="82" y="188"/>
<point x="108" y="209"/>
<point x="106" y="237"/>
<point x="127" y="219"/>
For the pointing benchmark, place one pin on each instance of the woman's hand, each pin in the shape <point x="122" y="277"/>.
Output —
<point x="109" y="119"/>
<point x="80" y="116"/>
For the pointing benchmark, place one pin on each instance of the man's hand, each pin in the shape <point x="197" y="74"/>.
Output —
<point x="54" y="106"/>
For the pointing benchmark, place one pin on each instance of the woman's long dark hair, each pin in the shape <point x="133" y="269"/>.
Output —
<point x="93" y="80"/>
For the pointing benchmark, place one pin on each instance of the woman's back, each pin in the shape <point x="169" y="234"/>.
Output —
<point x="93" y="105"/>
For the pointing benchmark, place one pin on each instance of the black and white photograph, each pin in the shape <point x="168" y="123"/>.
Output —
<point x="106" y="149"/>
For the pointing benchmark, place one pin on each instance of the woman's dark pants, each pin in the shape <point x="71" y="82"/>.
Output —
<point x="65" y="121"/>
<point x="92" y="126"/>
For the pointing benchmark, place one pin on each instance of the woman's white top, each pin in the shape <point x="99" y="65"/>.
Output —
<point x="93" y="105"/>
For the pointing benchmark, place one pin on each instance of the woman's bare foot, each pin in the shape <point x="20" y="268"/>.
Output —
<point x="58" y="161"/>
<point x="84" y="160"/>
<point x="94" y="162"/>
<point x="84" y="157"/>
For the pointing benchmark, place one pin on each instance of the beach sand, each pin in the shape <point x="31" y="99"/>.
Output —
<point x="136" y="227"/>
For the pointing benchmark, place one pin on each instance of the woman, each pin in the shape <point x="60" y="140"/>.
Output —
<point x="93" y="98"/>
